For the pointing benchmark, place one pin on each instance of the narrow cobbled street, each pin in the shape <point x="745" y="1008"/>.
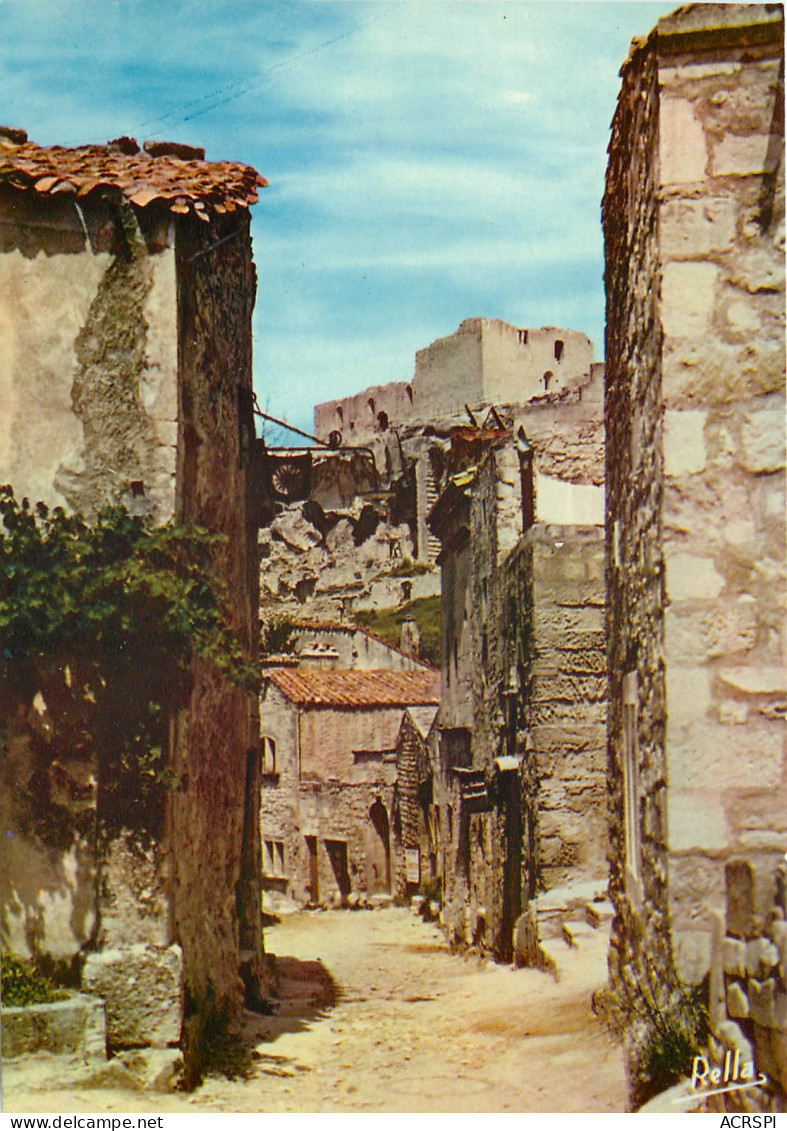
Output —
<point x="414" y="1028"/>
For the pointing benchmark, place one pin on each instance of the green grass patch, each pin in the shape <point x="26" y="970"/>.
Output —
<point x="387" y="623"/>
<point x="22" y="984"/>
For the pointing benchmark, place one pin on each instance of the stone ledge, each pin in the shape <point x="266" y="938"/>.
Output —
<point x="76" y="1025"/>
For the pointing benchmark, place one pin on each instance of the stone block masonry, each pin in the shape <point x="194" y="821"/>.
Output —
<point x="142" y="989"/>
<point x="518" y="760"/>
<point x="695" y="405"/>
<point x="749" y="983"/>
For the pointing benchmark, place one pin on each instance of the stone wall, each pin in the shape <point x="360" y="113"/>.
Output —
<point x="353" y="649"/>
<point x="336" y="816"/>
<point x="411" y="800"/>
<point x="565" y="701"/>
<point x="126" y="338"/>
<point x="522" y="804"/>
<point x="485" y="362"/>
<point x="749" y="984"/>
<point x="214" y="829"/>
<point x="723" y="388"/>
<point x="693" y="223"/>
<point x="634" y="499"/>
<point x="333" y="768"/>
<point x="333" y="741"/>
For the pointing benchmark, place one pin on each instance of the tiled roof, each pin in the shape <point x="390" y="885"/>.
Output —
<point x="357" y="688"/>
<point x="161" y="171"/>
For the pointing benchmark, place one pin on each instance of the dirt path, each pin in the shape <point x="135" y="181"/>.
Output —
<point x="415" y="1029"/>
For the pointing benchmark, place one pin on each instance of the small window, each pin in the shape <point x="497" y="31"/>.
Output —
<point x="548" y="379"/>
<point x="559" y="347"/>
<point x="370" y="402"/>
<point x="340" y="413"/>
<point x="522" y="337"/>
<point x="382" y="421"/>
<point x="273" y="858"/>
<point x="268" y="754"/>
<point x="410" y="393"/>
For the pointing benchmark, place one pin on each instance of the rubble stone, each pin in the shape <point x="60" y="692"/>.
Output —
<point x="737" y="1002"/>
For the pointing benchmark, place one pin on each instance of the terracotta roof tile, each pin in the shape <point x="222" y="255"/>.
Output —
<point x="163" y="171"/>
<point x="357" y="688"/>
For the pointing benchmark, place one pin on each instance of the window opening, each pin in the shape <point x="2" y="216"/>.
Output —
<point x="268" y="754"/>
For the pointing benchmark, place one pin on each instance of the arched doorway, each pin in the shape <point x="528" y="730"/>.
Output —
<point x="378" y="850"/>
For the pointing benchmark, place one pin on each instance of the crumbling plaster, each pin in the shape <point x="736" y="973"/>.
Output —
<point x="88" y="361"/>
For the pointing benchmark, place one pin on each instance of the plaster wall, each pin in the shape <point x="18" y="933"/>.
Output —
<point x="357" y="650"/>
<point x="88" y="359"/>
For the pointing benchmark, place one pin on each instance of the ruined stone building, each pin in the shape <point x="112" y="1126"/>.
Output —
<point x="695" y="412"/>
<point x="329" y="769"/>
<point x="126" y="293"/>
<point x="345" y="527"/>
<point x="485" y="364"/>
<point x="517" y="755"/>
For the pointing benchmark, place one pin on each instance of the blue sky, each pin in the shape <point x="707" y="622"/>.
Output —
<point x="428" y="162"/>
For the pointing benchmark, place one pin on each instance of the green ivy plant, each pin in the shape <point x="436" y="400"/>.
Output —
<point x="101" y="623"/>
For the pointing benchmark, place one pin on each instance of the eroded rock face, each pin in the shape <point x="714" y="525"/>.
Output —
<point x="142" y="988"/>
<point x="331" y="565"/>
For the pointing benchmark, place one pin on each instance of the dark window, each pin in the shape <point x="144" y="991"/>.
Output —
<point x="559" y="347"/>
<point x="268" y="754"/>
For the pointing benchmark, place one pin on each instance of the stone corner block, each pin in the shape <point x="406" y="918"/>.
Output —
<point x="142" y="986"/>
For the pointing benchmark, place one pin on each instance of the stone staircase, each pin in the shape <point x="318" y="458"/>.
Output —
<point x="571" y="918"/>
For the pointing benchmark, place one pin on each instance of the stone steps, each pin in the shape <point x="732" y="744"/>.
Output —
<point x="569" y="918"/>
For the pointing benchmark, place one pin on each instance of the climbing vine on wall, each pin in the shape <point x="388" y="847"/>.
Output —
<point x="100" y="624"/>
